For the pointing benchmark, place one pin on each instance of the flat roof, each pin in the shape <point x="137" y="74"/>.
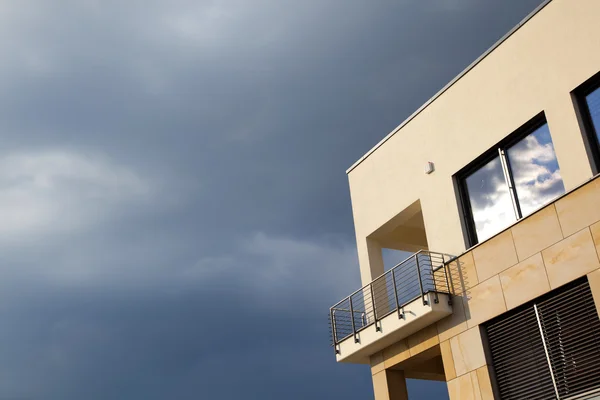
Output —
<point x="452" y="82"/>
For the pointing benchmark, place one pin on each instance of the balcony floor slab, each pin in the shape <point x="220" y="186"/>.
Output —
<point x="393" y="328"/>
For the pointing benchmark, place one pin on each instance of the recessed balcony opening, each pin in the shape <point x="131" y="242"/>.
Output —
<point x="404" y="232"/>
<point x="425" y="366"/>
<point x="392" y="257"/>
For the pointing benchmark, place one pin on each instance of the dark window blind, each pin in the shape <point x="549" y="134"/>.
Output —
<point x="572" y="333"/>
<point x="559" y="354"/>
<point x="519" y="358"/>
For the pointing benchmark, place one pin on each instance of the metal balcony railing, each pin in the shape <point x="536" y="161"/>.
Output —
<point x="421" y="273"/>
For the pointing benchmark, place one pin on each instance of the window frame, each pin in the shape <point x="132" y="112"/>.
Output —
<point x="591" y="137"/>
<point x="460" y="177"/>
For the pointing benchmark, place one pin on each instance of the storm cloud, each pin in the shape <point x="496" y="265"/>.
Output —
<point x="174" y="215"/>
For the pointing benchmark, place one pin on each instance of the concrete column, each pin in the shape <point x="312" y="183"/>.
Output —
<point x="370" y="259"/>
<point x="390" y="385"/>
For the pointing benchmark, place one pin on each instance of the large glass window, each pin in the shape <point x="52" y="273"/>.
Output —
<point x="588" y="96"/>
<point x="593" y="103"/>
<point x="510" y="182"/>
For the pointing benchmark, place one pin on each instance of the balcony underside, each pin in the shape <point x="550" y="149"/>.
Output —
<point x="392" y="328"/>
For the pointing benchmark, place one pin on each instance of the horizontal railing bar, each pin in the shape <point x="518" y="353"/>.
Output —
<point x="346" y="310"/>
<point x="405" y="262"/>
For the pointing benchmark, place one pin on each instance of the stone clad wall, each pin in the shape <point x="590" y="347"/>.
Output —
<point x="552" y="247"/>
<point x="544" y="251"/>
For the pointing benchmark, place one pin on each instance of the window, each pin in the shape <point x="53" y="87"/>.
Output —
<point x="510" y="181"/>
<point x="550" y="348"/>
<point x="588" y="97"/>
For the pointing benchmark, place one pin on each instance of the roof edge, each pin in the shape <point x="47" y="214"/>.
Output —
<point x="450" y="84"/>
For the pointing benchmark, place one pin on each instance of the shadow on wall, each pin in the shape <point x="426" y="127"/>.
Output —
<point x="461" y="279"/>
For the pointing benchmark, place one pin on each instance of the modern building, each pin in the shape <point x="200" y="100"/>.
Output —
<point x="493" y="185"/>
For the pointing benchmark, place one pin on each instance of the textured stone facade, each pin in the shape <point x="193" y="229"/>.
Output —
<point x="525" y="261"/>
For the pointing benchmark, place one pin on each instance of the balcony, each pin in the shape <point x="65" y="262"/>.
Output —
<point x="407" y="298"/>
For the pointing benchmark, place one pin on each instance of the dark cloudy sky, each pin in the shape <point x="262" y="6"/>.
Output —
<point x="174" y="214"/>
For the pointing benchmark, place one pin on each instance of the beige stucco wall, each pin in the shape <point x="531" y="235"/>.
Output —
<point x="533" y="70"/>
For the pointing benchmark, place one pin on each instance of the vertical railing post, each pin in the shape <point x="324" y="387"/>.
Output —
<point x="446" y="273"/>
<point x="333" y="329"/>
<point x="432" y="273"/>
<point x="352" y="319"/>
<point x="400" y="315"/>
<point x="420" y="280"/>
<point x="374" y="308"/>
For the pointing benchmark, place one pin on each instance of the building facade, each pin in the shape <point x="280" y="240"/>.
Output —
<point x="493" y="185"/>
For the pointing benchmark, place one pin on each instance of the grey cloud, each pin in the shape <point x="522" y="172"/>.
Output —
<point x="200" y="227"/>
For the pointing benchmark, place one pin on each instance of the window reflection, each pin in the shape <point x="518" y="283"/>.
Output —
<point x="535" y="170"/>
<point x="593" y="103"/>
<point x="529" y="163"/>
<point x="491" y="205"/>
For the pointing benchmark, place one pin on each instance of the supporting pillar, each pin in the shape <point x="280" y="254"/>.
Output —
<point x="371" y="267"/>
<point x="370" y="259"/>
<point x="390" y="385"/>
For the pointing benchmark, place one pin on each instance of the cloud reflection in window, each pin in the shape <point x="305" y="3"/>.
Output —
<point x="536" y="176"/>
<point x="490" y="201"/>
<point x="535" y="170"/>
